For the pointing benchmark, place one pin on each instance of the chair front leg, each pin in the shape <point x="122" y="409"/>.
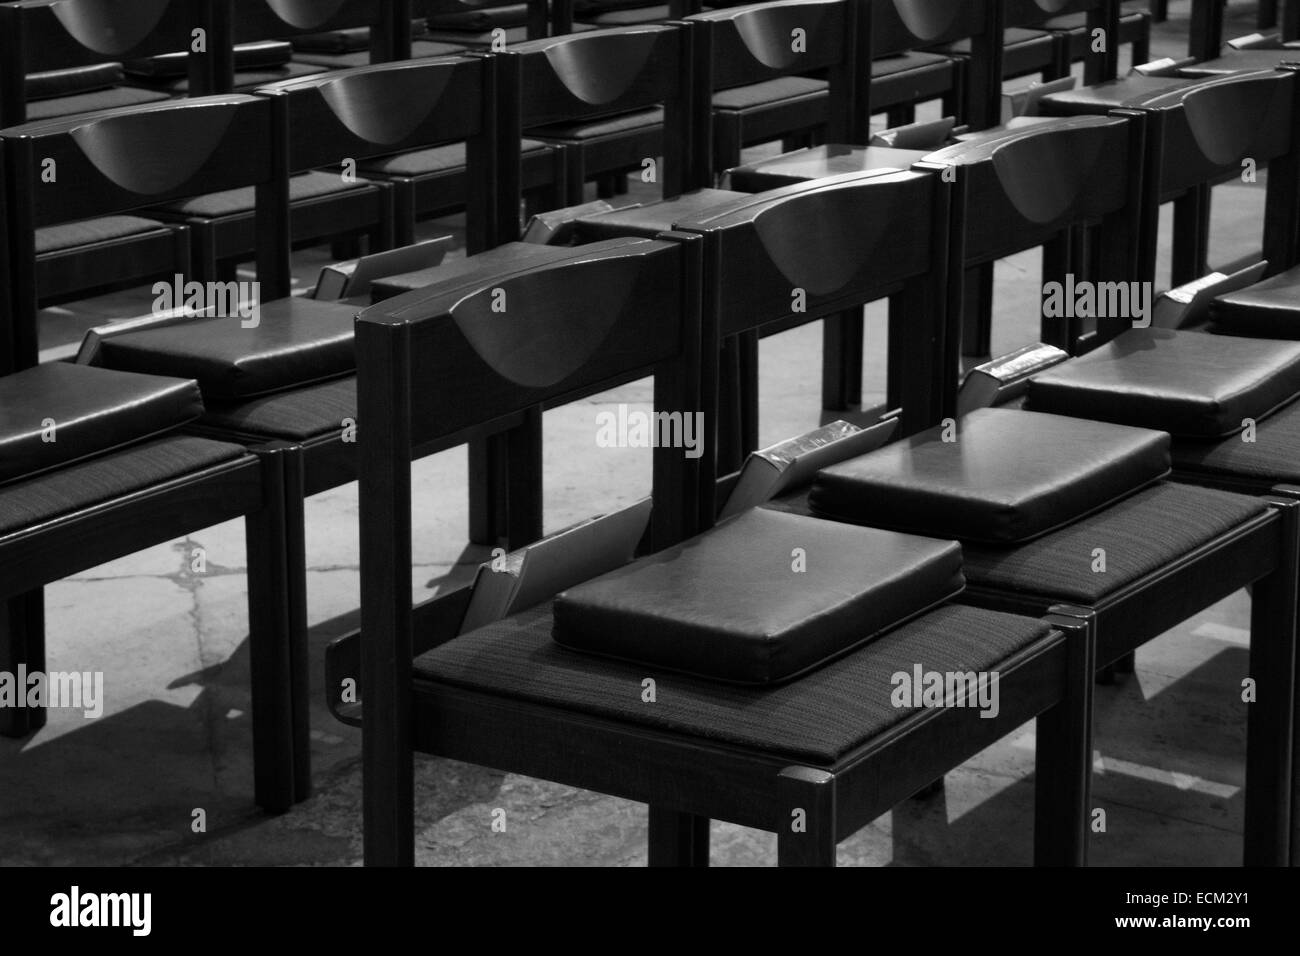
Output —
<point x="22" y="644"/>
<point x="805" y="834"/>
<point x="678" y="839"/>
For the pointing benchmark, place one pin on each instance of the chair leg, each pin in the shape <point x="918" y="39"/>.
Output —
<point x="1270" y="839"/>
<point x="271" y="591"/>
<point x="977" y="312"/>
<point x="842" y="338"/>
<point x="1063" y="751"/>
<point x="22" y="644"/>
<point x="805" y="834"/>
<point x="678" y="839"/>
<point x="1191" y="235"/>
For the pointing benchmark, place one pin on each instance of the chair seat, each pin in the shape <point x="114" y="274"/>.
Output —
<point x="816" y="719"/>
<point x="1076" y="23"/>
<point x="1238" y="61"/>
<point x="903" y="62"/>
<point x="91" y="102"/>
<point x="296" y="415"/>
<point x="768" y="92"/>
<point x="818" y="162"/>
<point x="653" y="218"/>
<point x="636" y="121"/>
<point x="1134" y="90"/>
<point x="1141" y="534"/>
<point x="627" y="16"/>
<point x="438" y="159"/>
<point x="1272" y="458"/>
<point x="25" y="504"/>
<point x="482" y="38"/>
<point x="72" y="235"/>
<point x="340" y="61"/>
<point x="1270" y="308"/>
<point x="234" y="202"/>
<point x="251" y="79"/>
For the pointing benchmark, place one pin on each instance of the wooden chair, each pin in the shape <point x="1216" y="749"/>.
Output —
<point x="1075" y="25"/>
<point x="126" y="473"/>
<point x="1199" y="133"/>
<point x="57" y="57"/>
<point x="505" y="696"/>
<point x="474" y="25"/>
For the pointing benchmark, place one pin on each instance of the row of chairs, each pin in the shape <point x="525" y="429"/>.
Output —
<point x="264" y="394"/>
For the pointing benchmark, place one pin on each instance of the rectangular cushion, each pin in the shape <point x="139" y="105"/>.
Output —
<point x="73" y="81"/>
<point x="58" y="413"/>
<point x="760" y="598"/>
<point x="248" y="56"/>
<point x="1190" y="384"/>
<point x="1006" y="476"/>
<point x="1269" y="309"/>
<point x="296" y="341"/>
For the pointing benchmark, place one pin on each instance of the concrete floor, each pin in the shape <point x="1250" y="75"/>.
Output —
<point x="175" y="734"/>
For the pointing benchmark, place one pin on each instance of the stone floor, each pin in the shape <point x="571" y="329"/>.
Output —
<point x="175" y="735"/>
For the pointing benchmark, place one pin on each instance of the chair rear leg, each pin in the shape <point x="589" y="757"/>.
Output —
<point x="1063" y="751"/>
<point x="22" y="644"/>
<point x="678" y="839"/>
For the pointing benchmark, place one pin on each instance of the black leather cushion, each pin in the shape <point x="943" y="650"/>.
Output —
<point x="233" y="202"/>
<point x="1009" y="476"/>
<point x="436" y="159"/>
<point x="481" y="18"/>
<point x="71" y="235"/>
<point x="92" y="102"/>
<point x="768" y="92"/>
<point x="248" y="56"/>
<point x="817" y="719"/>
<point x="1270" y="309"/>
<point x="627" y="16"/>
<point x="33" y="501"/>
<point x="635" y="121"/>
<point x="654" y="217"/>
<point x="1272" y="458"/>
<point x="1143" y="533"/>
<point x="295" y="415"/>
<point x="1190" y="384"/>
<point x="904" y="62"/>
<point x="92" y="410"/>
<point x="1238" y="61"/>
<point x="74" y="80"/>
<point x="818" y="162"/>
<point x="728" y="605"/>
<point x="1103" y="97"/>
<point x="342" y="61"/>
<point x="295" y="342"/>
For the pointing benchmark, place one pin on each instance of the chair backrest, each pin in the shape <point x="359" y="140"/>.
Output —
<point x="247" y="21"/>
<point x="41" y="35"/>
<point x="1101" y="15"/>
<point x="1039" y="186"/>
<point x="738" y="46"/>
<point x="897" y="26"/>
<point x="349" y="115"/>
<point x="583" y="77"/>
<point x="794" y="254"/>
<point x="114" y="161"/>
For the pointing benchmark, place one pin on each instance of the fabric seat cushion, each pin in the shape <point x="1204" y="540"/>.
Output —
<point x="85" y="232"/>
<point x="33" y="501"/>
<point x="767" y="92"/>
<point x="72" y="80"/>
<point x="638" y="120"/>
<point x="1272" y="458"/>
<point x="436" y="159"/>
<point x="1270" y="309"/>
<point x="1008" y="476"/>
<point x="234" y="202"/>
<point x="725" y="605"/>
<point x="1190" y="384"/>
<point x="654" y="217"/>
<point x="627" y="16"/>
<point x="818" y="162"/>
<point x="296" y="415"/>
<point x="816" y="719"/>
<point x="92" y="102"/>
<point x="295" y="342"/>
<point x="1012" y="36"/>
<point x="90" y="410"/>
<point x="342" y="61"/>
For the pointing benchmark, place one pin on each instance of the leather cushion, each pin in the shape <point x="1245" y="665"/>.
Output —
<point x="233" y="202"/>
<point x="818" y="162"/>
<point x="74" y="80"/>
<point x="727" y="605"/>
<point x="343" y="61"/>
<point x="1009" y="476"/>
<point x="85" y="232"/>
<point x="92" y="102"/>
<point x="481" y="18"/>
<point x="296" y="341"/>
<point x="627" y="16"/>
<point x="437" y="159"/>
<point x="1190" y="384"/>
<point x="92" y="409"/>
<point x="1270" y="309"/>
<point x="1101" y="98"/>
<point x="635" y="121"/>
<point x="248" y="56"/>
<point x="768" y="92"/>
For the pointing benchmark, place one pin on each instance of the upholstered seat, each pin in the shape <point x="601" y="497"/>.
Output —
<point x="767" y="92"/>
<point x="1239" y="61"/>
<point x="294" y="342"/>
<point x="817" y="718"/>
<point x="818" y="162"/>
<point x="24" y="504"/>
<point x="1272" y="458"/>
<point x="92" y="101"/>
<point x="234" y="202"/>
<point x="345" y="59"/>
<point x="1134" y="90"/>
<point x="623" y="123"/>
<point x="652" y="218"/>
<point x="297" y="415"/>
<point x="438" y="159"/>
<point x="1270" y="308"/>
<point x="85" y="232"/>
<point x="627" y="16"/>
